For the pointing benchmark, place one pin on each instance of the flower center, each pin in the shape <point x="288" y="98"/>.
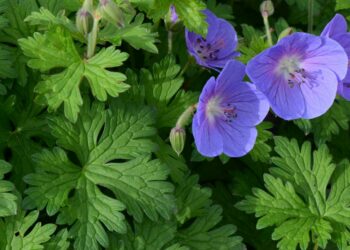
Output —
<point x="230" y="112"/>
<point x="295" y="75"/>
<point x="215" y="109"/>
<point x="207" y="50"/>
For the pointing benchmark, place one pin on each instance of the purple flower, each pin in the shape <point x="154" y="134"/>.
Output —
<point x="299" y="75"/>
<point x="337" y="30"/>
<point x="227" y="113"/>
<point x="218" y="47"/>
<point x="173" y="15"/>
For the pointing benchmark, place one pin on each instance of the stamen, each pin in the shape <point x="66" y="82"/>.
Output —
<point x="207" y="50"/>
<point x="301" y="76"/>
<point x="230" y="113"/>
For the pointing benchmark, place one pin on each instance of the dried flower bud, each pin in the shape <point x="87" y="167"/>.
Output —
<point x="266" y="8"/>
<point x="111" y="12"/>
<point x="177" y="139"/>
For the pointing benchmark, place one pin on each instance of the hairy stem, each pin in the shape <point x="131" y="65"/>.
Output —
<point x="267" y="29"/>
<point x="310" y="15"/>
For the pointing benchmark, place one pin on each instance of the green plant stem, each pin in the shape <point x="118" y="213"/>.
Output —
<point x="92" y="37"/>
<point x="185" y="116"/>
<point x="188" y="63"/>
<point x="170" y="41"/>
<point x="310" y="15"/>
<point x="316" y="246"/>
<point x="267" y="29"/>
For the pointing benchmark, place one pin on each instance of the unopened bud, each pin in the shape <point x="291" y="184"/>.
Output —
<point x="177" y="139"/>
<point x="266" y="8"/>
<point x="82" y="20"/>
<point x="83" y="17"/>
<point x="111" y="12"/>
<point x="171" y="19"/>
<point x="173" y="15"/>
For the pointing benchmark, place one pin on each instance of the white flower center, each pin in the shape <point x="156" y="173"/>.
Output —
<point x="213" y="108"/>
<point x="288" y="65"/>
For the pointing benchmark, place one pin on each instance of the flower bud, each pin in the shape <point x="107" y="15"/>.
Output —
<point x="173" y="15"/>
<point x="171" y="19"/>
<point x="266" y="8"/>
<point x="83" y="17"/>
<point x="111" y="12"/>
<point x="177" y="139"/>
<point x="82" y="21"/>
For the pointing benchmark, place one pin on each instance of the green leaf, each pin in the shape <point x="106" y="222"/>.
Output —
<point x="162" y="89"/>
<point x="138" y="34"/>
<point x="21" y="232"/>
<point x="15" y="12"/>
<point x="254" y="43"/>
<point x="190" y="12"/>
<point x="45" y="18"/>
<point x="194" y="204"/>
<point x="220" y="10"/>
<point x="297" y="202"/>
<point x="153" y="235"/>
<point x="23" y="131"/>
<point x="110" y="149"/>
<point x="176" y="164"/>
<point x="342" y="4"/>
<point x="201" y="234"/>
<point x="8" y="205"/>
<point x="261" y="150"/>
<point x="329" y="124"/>
<point x="55" y="49"/>
<point x="59" y="241"/>
<point x="192" y="200"/>
<point x="6" y="62"/>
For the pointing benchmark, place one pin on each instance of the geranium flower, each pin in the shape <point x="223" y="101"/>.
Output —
<point x="218" y="47"/>
<point x="299" y="75"/>
<point x="337" y="30"/>
<point x="227" y="113"/>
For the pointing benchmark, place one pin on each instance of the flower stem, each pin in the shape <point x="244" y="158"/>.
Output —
<point x="316" y="246"/>
<point x="170" y="41"/>
<point x="188" y="63"/>
<point x="310" y="15"/>
<point x="92" y="37"/>
<point x="267" y="29"/>
<point x="185" y="116"/>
